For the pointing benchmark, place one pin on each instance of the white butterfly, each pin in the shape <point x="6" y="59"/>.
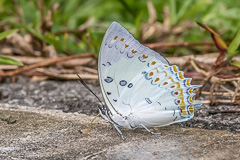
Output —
<point x="139" y="86"/>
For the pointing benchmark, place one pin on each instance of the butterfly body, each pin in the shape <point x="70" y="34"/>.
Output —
<point x="139" y="86"/>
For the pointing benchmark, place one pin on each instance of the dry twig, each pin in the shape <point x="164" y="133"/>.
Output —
<point x="44" y="63"/>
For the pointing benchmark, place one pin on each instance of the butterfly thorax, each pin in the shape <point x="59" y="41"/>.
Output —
<point x="127" y="121"/>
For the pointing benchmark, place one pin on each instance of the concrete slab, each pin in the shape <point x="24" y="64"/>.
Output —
<point x="52" y="134"/>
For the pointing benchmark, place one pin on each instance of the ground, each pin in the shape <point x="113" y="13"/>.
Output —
<point x="51" y="134"/>
<point x="47" y="120"/>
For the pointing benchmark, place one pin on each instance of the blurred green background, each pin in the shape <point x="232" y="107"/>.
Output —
<point x="78" y="26"/>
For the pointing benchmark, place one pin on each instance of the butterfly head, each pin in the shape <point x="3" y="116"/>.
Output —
<point x="103" y="112"/>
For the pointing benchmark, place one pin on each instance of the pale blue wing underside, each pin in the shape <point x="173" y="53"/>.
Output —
<point x="137" y="80"/>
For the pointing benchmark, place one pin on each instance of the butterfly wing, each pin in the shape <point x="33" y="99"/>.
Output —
<point x="137" y="80"/>
<point x="116" y="63"/>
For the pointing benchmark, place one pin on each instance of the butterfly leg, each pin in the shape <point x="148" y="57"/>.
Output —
<point x="154" y="133"/>
<point x="119" y="131"/>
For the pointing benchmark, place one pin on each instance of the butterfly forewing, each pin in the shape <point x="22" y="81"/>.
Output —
<point x="139" y="81"/>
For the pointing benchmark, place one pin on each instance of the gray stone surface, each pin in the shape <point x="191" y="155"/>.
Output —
<point x="71" y="96"/>
<point x="51" y="134"/>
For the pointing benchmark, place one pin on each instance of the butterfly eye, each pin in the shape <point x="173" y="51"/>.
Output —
<point x="103" y="111"/>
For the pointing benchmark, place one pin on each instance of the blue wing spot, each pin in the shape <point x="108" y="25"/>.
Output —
<point x="130" y="85"/>
<point x="123" y="83"/>
<point x="114" y="100"/>
<point x="108" y="93"/>
<point x="148" y="100"/>
<point x="109" y="63"/>
<point x="108" y="80"/>
<point x="146" y="76"/>
<point x="153" y="83"/>
<point x="175" y="119"/>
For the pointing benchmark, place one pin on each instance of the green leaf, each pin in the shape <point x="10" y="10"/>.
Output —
<point x="184" y="9"/>
<point x="6" y="33"/>
<point x="7" y="60"/>
<point x="173" y="11"/>
<point x="233" y="47"/>
<point x="235" y="63"/>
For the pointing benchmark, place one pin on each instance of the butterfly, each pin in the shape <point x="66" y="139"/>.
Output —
<point x="139" y="86"/>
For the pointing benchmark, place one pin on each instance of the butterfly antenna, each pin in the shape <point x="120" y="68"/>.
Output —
<point x="85" y="85"/>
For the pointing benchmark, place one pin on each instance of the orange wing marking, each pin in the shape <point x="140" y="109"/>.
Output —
<point x="151" y="74"/>
<point x="144" y="56"/>
<point x="134" y="51"/>
<point x="153" y="62"/>
<point x="157" y="79"/>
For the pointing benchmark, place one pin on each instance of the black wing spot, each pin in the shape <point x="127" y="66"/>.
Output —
<point x="148" y="100"/>
<point x="109" y="93"/>
<point x="174" y="112"/>
<point x="109" y="63"/>
<point x="175" y="119"/>
<point x="139" y="58"/>
<point x="123" y="83"/>
<point x="130" y="85"/>
<point x="129" y="56"/>
<point x="114" y="100"/>
<point x="108" y="79"/>
<point x="104" y="64"/>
